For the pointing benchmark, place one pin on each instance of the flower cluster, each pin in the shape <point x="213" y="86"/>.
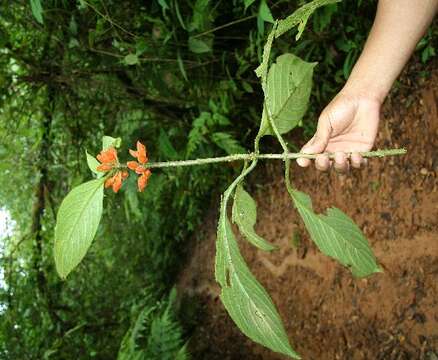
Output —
<point x="138" y="166"/>
<point x="109" y="163"/>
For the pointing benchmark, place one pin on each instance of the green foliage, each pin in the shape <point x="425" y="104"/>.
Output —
<point x="300" y="17"/>
<point x="265" y="13"/>
<point x="131" y="59"/>
<point x="198" y="46"/>
<point x="248" y="3"/>
<point x="227" y="142"/>
<point x="165" y="147"/>
<point x="245" y="216"/>
<point x="37" y="10"/>
<point x="288" y="90"/>
<point x="155" y="333"/>
<point x="77" y="221"/>
<point x="245" y="299"/>
<point x="108" y="142"/>
<point x="209" y="128"/>
<point x="262" y="69"/>
<point x="93" y="164"/>
<point x="426" y="46"/>
<point x="337" y="236"/>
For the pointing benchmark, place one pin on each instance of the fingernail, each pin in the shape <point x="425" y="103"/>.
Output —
<point x="341" y="163"/>
<point x="322" y="162"/>
<point x="302" y="162"/>
<point x="356" y="160"/>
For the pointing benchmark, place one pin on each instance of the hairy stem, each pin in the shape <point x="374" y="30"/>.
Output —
<point x="286" y="160"/>
<point x="254" y="156"/>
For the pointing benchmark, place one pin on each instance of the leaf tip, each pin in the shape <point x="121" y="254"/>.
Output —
<point x="378" y="269"/>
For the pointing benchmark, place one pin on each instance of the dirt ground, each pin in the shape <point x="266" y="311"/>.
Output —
<point x="327" y="313"/>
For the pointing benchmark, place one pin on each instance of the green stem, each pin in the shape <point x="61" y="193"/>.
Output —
<point x="283" y="144"/>
<point x="254" y="156"/>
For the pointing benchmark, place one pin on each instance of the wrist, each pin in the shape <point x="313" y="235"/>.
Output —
<point x="362" y="89"/>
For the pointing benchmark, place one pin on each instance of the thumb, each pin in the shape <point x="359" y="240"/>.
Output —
<point x="318" y="143"/>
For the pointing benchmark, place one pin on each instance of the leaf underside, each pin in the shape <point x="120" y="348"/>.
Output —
<point x="337" y="236"/>
<point x="108" y="141"/>
<point x="288" y="90"/>
<point x="245" y="216"/>
<point x="93" y="164"/>
<point x="247" y="302"/>
<point x="300" y="17"/>
<point x="37" y="10"/>
<point x="77" y="222"/>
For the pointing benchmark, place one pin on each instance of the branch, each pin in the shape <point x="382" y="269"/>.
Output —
<point x="252" y="156"/>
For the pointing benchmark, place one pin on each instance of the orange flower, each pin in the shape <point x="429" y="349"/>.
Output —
<point x="108" y="159"/>
<point x="139" y="167"/>
<point x="143" y="180"/>
<point x="140" y="154"/>
<point x="116" y="181"/>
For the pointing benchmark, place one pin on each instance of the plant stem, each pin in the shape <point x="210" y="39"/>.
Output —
<point x="253" y="156"/>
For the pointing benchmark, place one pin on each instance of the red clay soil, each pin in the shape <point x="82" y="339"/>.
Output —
<point x="327" y="313"/>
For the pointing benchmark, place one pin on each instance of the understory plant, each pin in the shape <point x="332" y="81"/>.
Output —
<point x="286" y="84"/>
<point x="155" y="333"/>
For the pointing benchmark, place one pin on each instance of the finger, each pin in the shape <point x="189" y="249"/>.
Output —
<point x="356" y="160"/>
<point x="321" y="138"/>
<point x="318" y="142"/>
<point x="341" y="161"/>
<point x="303" y="162"/>
<point x="322" y="162"/>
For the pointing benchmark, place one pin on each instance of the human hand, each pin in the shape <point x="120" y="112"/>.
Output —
<point x="347" y="125"/>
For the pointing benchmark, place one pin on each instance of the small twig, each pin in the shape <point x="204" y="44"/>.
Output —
<point x="107" y="18"/>
<point x="238" y="21"/>
<point x="252" y="156"/>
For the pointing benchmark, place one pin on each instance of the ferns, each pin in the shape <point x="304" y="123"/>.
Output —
<point x="155" y="334"/>
<point x="164" y="340"/>
<point x="227" y="142"/>
<point x="205" y="130"/>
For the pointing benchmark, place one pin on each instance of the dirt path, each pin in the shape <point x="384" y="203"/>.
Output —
<point x="327" y="313"/>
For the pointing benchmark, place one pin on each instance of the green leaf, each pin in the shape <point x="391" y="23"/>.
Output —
<point x="108" y="141"/>
<point x="228" y="143"/>
<point x="265" y="12"/>
<point x="76" y="225"/>
<point x="93" y="164"/>
<point x="73" y="26"/>
<point x="181" y="67"/>
<point x="165" y="146"/>
<point x="37" y="10"/>
<point x="131" y="59"/>
<point x="287" y="92"/>
<point x="141" y="46"/>
<point x="198" y="46"/>
<point x="300" y="17"/>
<point x="262" y="69"/>
<point x="164" y="5"/>
<point x="248" y="3"/>
<point x="178" y="15"/>
<point x="247" y="302"/>
<point x="337" y="236"/>
<point x="245" y="216"/>
<point x="247" y="87"/>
